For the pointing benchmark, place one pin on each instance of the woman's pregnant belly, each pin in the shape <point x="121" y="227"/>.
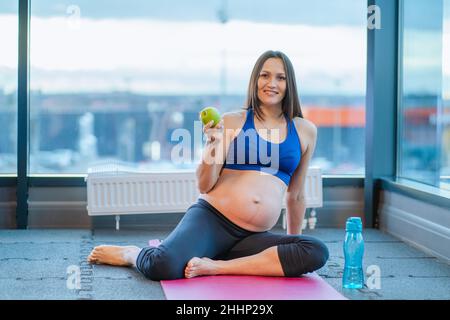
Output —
<point x="250" y="199"/>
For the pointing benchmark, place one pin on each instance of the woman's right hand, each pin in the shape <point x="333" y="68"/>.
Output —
<point x="214" y="135"/>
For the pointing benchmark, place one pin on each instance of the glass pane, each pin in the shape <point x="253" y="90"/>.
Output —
<point x="444" y="117"/>
<point x="424" y="147"/>
<point x="8" y="85"/>
<point x="118" y="80"/>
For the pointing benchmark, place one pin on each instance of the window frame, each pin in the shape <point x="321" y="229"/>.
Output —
<point x="399" y="159"/>
<point x="375" y="178"/>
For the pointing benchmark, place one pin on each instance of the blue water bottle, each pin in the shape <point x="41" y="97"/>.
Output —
<point x="353" y="252"/>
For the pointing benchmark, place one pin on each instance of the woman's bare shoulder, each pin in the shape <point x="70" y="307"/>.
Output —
<point x="307" y="131"/>
<point x="305" y="124"/>
<point x="234" y="119"/>
<point x="235" y="114"/>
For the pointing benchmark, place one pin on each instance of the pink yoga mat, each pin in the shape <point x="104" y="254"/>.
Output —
<point x="308" y="287"/>
<point x="154" y="243"/>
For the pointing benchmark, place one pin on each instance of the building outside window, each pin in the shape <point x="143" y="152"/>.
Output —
<point x="8" y="86"/>
<point x="424" y="117"/>
<point x="114" y="80"/>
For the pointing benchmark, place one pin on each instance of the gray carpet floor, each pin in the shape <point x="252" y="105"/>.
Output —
<point x="39" y="264"/>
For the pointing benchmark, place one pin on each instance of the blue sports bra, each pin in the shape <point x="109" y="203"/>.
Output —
<point x="248" y="151"/>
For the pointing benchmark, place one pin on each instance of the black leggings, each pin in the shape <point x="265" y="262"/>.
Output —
<point x="205" y="232"/>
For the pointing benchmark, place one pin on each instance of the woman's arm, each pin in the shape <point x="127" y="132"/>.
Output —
<point x="208" y="170"/>
<point x="295" y="197"/>
<point x="214" y="153"/>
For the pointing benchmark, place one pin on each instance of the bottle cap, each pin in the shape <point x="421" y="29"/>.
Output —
<point x="354" y="224"/>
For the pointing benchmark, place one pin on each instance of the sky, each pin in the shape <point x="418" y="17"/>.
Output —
<point x="318" y="12"/>
<point x="180" y="47"/>
<point x="182" y="57"/>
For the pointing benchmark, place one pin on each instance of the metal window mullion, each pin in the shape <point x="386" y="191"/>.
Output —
<point x="399" y="158"/>
<point x="23" y="107"/>
<point x="381" y="103"/>
<point x="440" y="110"/>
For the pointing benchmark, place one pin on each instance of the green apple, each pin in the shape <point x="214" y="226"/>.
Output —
<point x="208" y="114"/>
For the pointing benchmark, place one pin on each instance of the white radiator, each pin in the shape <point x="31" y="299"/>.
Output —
<point x="121" y="192"/>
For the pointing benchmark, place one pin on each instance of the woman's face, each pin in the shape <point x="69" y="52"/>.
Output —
<point x="272" y="82"/>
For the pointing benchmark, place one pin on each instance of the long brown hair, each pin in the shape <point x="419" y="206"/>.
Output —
<point x="291" y="104"/>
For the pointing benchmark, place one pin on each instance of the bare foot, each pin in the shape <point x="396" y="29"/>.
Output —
<point x="114" y="255"/>
<point x="201" y="267"/>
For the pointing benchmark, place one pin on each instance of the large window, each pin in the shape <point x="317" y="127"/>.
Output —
<point x="114" y="80"/>
<point x="8" y="85"/>
<point x="424" y="119"/>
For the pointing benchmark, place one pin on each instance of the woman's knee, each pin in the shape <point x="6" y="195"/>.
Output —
<point x="305" y="254"/>
<point x="156" y="264"/>
<point x="318" y="256"/>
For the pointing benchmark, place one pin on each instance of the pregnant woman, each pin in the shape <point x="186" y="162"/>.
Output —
<point x="251" y="161"/>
